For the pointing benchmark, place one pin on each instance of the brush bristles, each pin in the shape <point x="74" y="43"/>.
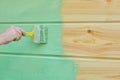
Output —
<point x="40" y="34"/>
<point x="43" y="34"/>
<point x="37" y="33"/>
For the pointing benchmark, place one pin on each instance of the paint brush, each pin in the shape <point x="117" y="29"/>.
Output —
<point x="39" y="34"/>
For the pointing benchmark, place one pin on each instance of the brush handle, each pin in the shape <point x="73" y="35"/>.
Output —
<point x="30" y="34"/>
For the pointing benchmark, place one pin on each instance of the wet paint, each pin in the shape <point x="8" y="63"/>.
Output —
<point x="36" y="68"/>
<point x="26" y="14"/>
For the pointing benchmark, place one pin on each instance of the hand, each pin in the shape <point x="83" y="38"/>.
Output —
<point x="11" y="34"/>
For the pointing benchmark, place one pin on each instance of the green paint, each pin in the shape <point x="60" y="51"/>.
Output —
<point x="26" y="45"/>
<point x="34" y="68"/>
<point x="30" y="11"/>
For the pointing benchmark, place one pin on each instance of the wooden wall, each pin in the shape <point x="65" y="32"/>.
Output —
<point x="92" y="37"/>
<point x="91" y="10"/>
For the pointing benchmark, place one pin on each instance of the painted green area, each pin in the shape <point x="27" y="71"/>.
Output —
<point x="30" y="10"/>
<point x="26" y="45"/>
<point x="36" y="68"/>
<point x="25" y="66"/>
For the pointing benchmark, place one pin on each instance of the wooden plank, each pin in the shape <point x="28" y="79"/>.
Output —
<point x="33" y="11"/>
<point x="88" y="40"/>
<point x="27" y="46"/>
<point x="42" y="67"/>
<point x="92" y="39"/>
<point x="21" y="67"/>
<point x="98" y="70"/>
<point x="91" y="10"/>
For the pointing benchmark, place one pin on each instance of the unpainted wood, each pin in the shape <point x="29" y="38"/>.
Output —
<point x="98" y="70"/>
<point x="91" y="10"/>
<point x="92" y="39"/>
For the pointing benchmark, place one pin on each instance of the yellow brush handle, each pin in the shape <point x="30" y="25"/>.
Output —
<point x="30" y="34"/>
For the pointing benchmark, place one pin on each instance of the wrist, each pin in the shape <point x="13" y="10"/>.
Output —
<point x="1" y="39"/>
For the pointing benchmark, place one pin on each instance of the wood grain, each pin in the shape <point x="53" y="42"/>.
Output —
<point x="98" y="70"/>
<point x="92" y="39"/>
<point x="91" y="10"/>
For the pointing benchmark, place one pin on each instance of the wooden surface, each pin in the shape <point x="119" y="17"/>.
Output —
<point x="98" y="70"/>
<point x="91" y="10"/>
<point x="94" y="47"/>
<point x="92" y="39"/>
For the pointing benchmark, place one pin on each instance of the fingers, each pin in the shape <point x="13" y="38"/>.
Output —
<point x="23" y="32"/>
<point x="18" y="33"/>
<point x="12" y="34"/>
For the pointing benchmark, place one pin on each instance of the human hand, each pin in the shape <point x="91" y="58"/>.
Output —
<point x="11" y="34"/>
